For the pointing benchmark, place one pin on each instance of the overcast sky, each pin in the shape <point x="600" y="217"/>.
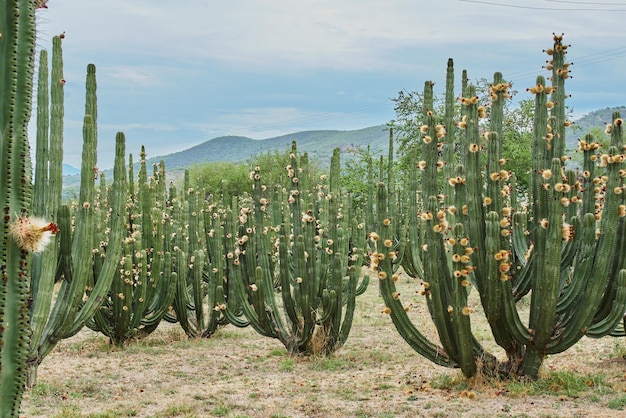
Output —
<point x="173" y="74"/>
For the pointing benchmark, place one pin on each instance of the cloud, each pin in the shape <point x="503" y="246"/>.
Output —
<point x="143" y="76"/>
<point x="173" y="74"/>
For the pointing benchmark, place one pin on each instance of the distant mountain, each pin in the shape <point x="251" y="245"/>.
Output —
<point x="596" y="119"/>
<point x="69" y="170"/>
<point x="318" y="144"/>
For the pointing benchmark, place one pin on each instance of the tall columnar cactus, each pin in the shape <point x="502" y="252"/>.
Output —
<point x="566" y="249"/>
<point x="21" y="234"/>
<point x="316" y="262"/>
<point x="144" y="286"/>
<point x="198" y="247"/>
<point x="84" y="280"/>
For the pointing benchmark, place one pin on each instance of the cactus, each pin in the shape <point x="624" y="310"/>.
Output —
<point x="199" y="254"/>
<point x="144" y="286"/>
<point x="21" y="234"/>
<point x="71" y="259"/>
<point x="316" y="262"/>
<point x="566" y="258"/>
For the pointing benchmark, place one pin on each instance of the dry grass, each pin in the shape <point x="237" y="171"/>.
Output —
<point x="238" y="373"/>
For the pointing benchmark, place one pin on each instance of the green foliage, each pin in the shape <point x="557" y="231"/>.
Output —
<point x="318" y="145"/>
<point x="617" y="403"/>
<point x="359" y="169"/>
<point x="233" y="178"/>
<point x="517" y="141"/>
<point x="516" y="130"/>
<point x="272" y="166"/>
<point x="221" y="177"/>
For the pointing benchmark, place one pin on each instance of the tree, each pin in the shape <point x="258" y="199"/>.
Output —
<point x="221" y="177"/>
<point x="516" y="137"/>
<point x="234" y="178"/>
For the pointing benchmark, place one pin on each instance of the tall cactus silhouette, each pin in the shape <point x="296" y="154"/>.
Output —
<point x="562" y="249"/>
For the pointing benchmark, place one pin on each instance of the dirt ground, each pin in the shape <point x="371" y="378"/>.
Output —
<point x="238" y="373"/>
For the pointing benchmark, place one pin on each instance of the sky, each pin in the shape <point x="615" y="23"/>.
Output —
<point x="173" y="74"/>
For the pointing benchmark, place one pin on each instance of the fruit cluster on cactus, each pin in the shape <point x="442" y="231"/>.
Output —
<point x="564" y="246"/>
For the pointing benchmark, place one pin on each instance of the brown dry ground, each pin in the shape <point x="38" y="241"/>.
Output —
<point x="238" y="373"/>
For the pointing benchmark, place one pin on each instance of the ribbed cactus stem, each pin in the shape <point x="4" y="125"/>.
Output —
<point x="17" y="43"/>
<point x="449" y="139"/>
<point x="560" y="73"/>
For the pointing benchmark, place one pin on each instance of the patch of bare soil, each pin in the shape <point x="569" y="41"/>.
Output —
<point x="238" y="373"/>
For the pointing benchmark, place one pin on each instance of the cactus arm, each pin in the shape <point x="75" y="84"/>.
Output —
<point x="396" y="310"/>
<point x="601" y="277"/>
<point x="438" y="298"/>
<point x="122" y="296"/>
<point x="354" y="288"/>
<point x="139" y="294"/>
<point x="473" y="208"/>
<point x="45" y="206"/>
<point x="449" y="144"/>
<point x="71" y="294"/>
<point x="461" y="314"/>
<point x="350" y="296"/>
<point x="181" y="300"/>
<point x="285" y="275"/>
<point x="508" y="330"/>
<point x="197" y="271"/>
<point x="609" y="322"/>
<point x="163" y="299"/>
<point x="412" y="262"/>
<point x="547" y="276"/>
<point x="114" y="249"/>
<point x="560" y="73"/>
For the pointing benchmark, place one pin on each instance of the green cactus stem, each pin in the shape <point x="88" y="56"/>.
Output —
<point x="17" y="60"/>
<point x="199" y="245"/>
<point x="84" y="281"/>
<point x="143" y="288"/>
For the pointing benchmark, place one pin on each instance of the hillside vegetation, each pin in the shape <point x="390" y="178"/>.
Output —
<point x="318" y="144"/>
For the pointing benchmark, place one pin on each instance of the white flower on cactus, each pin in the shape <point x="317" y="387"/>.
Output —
<point x="31" y="233"/>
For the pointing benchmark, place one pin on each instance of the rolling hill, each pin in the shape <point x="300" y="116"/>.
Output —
<point x="596" y="119"/>
<point x="318" y="144"/>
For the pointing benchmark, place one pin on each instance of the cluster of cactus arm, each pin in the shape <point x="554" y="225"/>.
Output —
<point x="309" y="261"/>
<point x="476" y="234"/>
